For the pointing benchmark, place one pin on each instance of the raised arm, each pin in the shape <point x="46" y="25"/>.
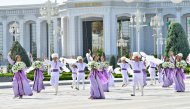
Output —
<point x="10" y="60"/>
<point x="89" y="57"/>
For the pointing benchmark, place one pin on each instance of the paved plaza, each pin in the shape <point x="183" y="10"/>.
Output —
<point x="118" y="98"/>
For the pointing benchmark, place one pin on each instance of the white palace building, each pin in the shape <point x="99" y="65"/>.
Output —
<point x="90" y="24"/>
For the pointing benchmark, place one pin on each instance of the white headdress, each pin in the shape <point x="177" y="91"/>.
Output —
<point x="123" y="58"/>
<point x="79" y="58"/>
<point x="54" y="55"/>
<point x="136" y="54"/>
<point x="180" y="54"/>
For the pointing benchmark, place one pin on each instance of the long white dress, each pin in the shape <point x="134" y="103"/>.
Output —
<point x="55" y="71"/>
<point x="124" y="68"/>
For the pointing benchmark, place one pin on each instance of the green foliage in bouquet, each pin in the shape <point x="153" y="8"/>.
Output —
<point x="177" y="40"/>
<point x="100" y="52"/>
<point x="17" y="49"/>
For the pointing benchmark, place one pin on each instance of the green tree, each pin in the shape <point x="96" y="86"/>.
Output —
<point x="177" y="40"/>
<point x="17" y="49"/>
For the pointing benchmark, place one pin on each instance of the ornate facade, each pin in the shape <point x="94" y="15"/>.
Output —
<point x="72" y="21"/>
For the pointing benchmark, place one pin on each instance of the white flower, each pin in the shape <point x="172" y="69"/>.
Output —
<point x="93" y="65"/>
<point x="166" y="65"/>
<point x="181" y="64"/>
<point x="18" y="66"/>
<point x="172" y="65"/>
<point x="37" y="64"/>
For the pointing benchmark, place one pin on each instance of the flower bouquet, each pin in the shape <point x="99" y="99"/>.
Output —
<point x="93" y="65"/>
<point x="181" y="64"/>
<point x="37" y="65"/>
<point x="18" y="66"/>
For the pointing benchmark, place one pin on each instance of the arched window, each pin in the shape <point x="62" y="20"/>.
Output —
<point x="188" y="27"/>
<point x="33" y="48"/>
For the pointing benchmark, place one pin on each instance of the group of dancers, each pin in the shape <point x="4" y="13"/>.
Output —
<point x="170" y="71"/>
<point x="100" y="75"/>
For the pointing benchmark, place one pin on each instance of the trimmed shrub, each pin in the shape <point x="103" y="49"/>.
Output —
<point x="177" y="40"/>
<point x="17" y="49"/>
<point x="113" y="61"/>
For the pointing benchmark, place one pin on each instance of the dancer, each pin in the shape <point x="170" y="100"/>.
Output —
<point x="55" y="70"/>
<point x="179" y="75"/>
<point x="38" y="76"/>
<point x="144" y="71"/>
<point x="124" y="68"/>
<point x="80" y="71"/>
<point x="167" y="73"/>
<point x="136" y="65"/>
<point x="88" y="56"/>
<point x="160" y="74"/>
<point x="104" y="70"/>
<point x="21" y="85"/>
<point x="111" y="77"/>
<point x="96" y="80"/>
<point x="152" y="72"/>
<point x="73" y="68"/>
<point x="172" y="57"/>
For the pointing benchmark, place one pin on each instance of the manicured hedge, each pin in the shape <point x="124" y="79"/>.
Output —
<point x="67" y="76"/>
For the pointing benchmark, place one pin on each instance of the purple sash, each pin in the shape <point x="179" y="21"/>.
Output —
<point x="123" y="69"/>
<point x="81" y="71"/>
<point x="54" y="70"/>
<point x="136" y="71"/>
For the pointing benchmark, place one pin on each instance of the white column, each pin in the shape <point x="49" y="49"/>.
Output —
<point x="113" y="35"/>
<point x="80" y="36"/>
<point x="38" y="38"/>
<point x="55" y="35"/>
<point x="178" y="14"/>
<point x="71" y="49"/>
<point x="21" y="29"/>
<point x="159" y="35"/>
<point x="107" y="34"/>
<point x="5" y="37"/>
<point x="63" y="35"/>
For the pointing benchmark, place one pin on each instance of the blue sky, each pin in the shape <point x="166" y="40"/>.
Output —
<point x="23" y="2"/>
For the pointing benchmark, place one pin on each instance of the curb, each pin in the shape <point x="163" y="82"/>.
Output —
<point x="61" y="83"/>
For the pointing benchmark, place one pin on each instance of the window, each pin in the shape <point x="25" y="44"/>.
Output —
<point x="123" y="26"/>
<point x="188" y="28"/>
<point x="170" y="20"/>
<point x="33" y="47"/>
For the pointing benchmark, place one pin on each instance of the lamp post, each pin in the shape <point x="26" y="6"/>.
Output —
<point x="160" y="41"/>
<point x="156" y="23"/>
<point x="58" y="32"/>
<point x="121" y="43"/>
<point x="139" y="20"/>
<point x="47" y="11"/>
<point x="14" y="30"/>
